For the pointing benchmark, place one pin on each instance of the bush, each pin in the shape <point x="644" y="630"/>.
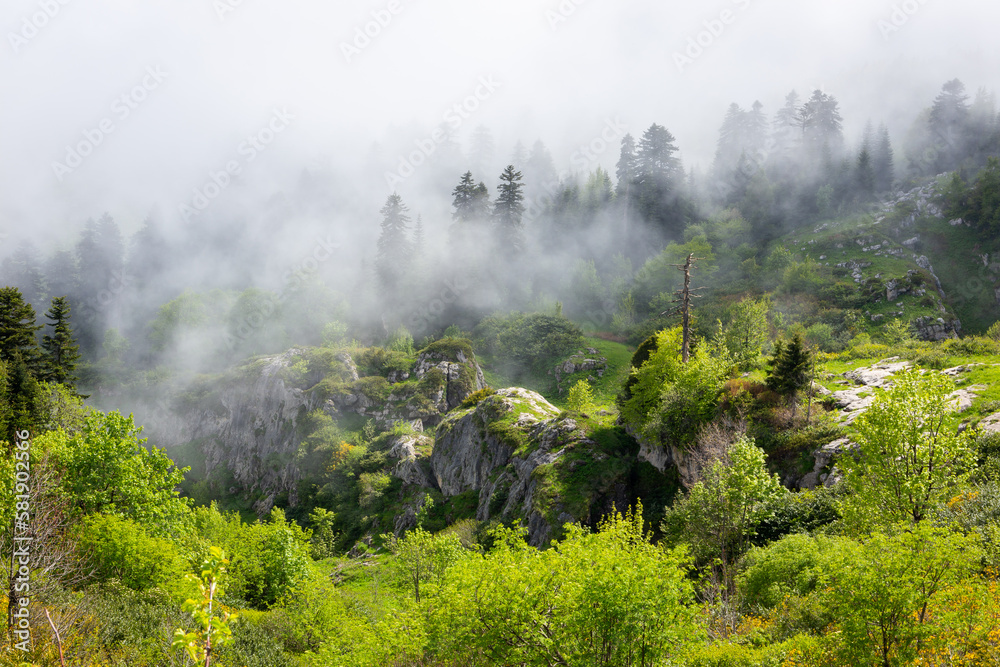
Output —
<point x="118" y="548"/>
<point x="475" y="398"/>
<point x="269" y="560"/>
<point x="521" y="344"/>
<point x="581" y="397"/>
<point x="793" y="565"/>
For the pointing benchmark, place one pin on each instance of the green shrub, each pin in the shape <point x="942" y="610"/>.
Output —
<point x="475" y="398"/>
<point x="794" y="565"/>
<point x="119" y="548"/>
<point x="268" y="561"/>
<point x="521" y="343"/>
<point x="581" y="397"/>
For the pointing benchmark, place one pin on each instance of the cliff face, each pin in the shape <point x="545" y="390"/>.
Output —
<point x="506" y="448"/>
<point x="246" y="423"/>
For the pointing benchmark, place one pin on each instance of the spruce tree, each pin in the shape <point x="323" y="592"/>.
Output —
<point x="464" y="199"/>
<point x="61" y="350"/>
<point x="882" y="161"/>
<point x="395" y="251"/>
<point x="508" y="209"/>
<point x="790" y="368"/>
<point x="17" y="329"/>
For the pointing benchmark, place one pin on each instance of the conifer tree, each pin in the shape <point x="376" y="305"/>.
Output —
<point x="882" y="161"/>
<point x="508" y="209"/>
<point x="61" y="349"/>
<point x="789" y="371"/>
<point x="395" y="251"/>
<point x="17" y="329"/>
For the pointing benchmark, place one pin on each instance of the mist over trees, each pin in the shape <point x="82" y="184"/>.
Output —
<point x="521" y="237"/>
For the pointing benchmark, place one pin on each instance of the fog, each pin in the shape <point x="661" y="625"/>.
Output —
<point x="561" y="70"/>
<point x="263" y="133"/>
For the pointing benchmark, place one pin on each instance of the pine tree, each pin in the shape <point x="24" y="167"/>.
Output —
<point x="627" y="168"/>
<point x="17" y="329"/>
<point x="61" y="350"/>
<point x="21" y="399"/>
<point x="949" y="119"/>
<point x="866" y="174"/>
<point x="790" y="369"/>
<point x="731" y="142"/>
<point x="882" y="161"/>
<point x="786" y="129"/>
<point x="821" y="123"/>
<point x="395" y="251"/>
<point x="464" y="199"/>
<point x="508" y="209"/>
<point x="659" y="175"/>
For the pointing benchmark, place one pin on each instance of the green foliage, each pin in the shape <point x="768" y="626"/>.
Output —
<point x="212" y="630"/>
<point x="581" y="397"/>
<point x="521" y="343"/>
<point x="909" y="458"/>
<point x="896" y="332"/>
<point x="269" y="560"/>
<point x="670" y="400"/>
<point x="119" y="548"/>
<point x="721" y="512"/>
<point x="606" y="598"/>
<point x="791" y="368"/>
<point x="880" y="590"/>
<point x="61" y="350"/>
<point x="795" y="565"/>
<point x="324" y="539"/>
<point x="746" y="332"/>
<point x="17" y="328"/>
<point x="107" y="470"/>
<point x="424" y="558"/>
<point x="477" y="397"/>
<point x="22" y="400"/>
<point x="401" y="340"/>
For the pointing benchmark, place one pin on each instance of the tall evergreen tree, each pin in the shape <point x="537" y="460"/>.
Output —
<point x="626" y="172"/>
<point x="821" y="123"/>
<point x="627" y="168"/>
<point x="61" y="350"/>
<point x="790" y="369"/>
<point x="786" y="130"/>
<point x="948" y="123"/>
<point x="395" y="252"/>
<point x="21" y="399"/>
<point x="659" y="175"/>
<point x="17" y="329"/>
<point x="508" y="209"/>
<point x="731" y="142"/>
<point x="464" y="199"/>
<point x="882" y="161"/>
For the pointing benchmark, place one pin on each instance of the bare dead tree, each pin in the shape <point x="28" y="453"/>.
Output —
<point x="684" y="297"/>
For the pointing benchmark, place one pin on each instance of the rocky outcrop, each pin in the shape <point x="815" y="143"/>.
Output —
<point x="823" y="471"/>
<point x="412" y="462"/>
<point x="583" y="361"/>
<point x="856" y="400"/>
<point x="246" y="423"/>
<point x="443" y="376"/>
<point x="929" y="328"/>
<point x="501" y="448"/>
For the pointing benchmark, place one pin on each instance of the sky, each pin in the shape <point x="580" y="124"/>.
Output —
<point x="125" y="107"/>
